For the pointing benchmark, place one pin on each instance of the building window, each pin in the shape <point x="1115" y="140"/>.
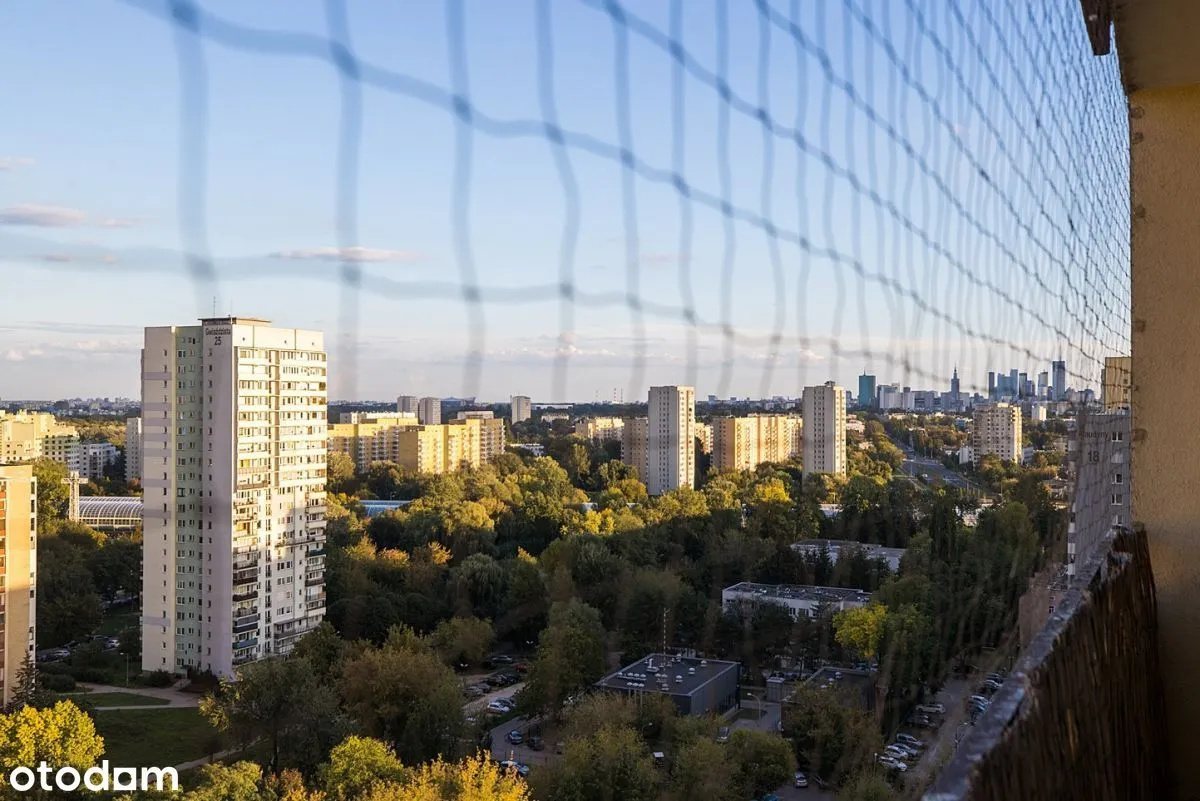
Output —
<point x="1117" y="499"/>
<point x="1117" y="478"/>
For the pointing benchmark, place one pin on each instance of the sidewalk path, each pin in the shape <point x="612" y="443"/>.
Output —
<point x="196" y="763"/>
<point x="174" y="698"/>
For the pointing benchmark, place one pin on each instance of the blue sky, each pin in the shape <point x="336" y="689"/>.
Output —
<point x="129" y="142"/>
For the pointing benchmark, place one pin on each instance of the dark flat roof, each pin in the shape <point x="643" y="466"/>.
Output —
<point x="694" y="673"/>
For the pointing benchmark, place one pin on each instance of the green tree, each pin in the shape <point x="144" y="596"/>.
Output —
<point x="476" y="778"/>
<point x="462" y="639"/>
<point x="406" y="697"/>
<point x="478" y="584"/>
<point x="611" y="763"/>
<point x="761" y="761"/>
<point x="241" y="781"/>
<point x="702" y="769"/>
<point x="61" y="735"/>
<point x="355" y="765"/>
<point x="829" y="738"/>
<point x="339" y="471"/>
<point x="323" y="650"/>
<point x="861" y="628"/>
<point x="67" y="603"/>
<point x="53" y="495"/>
<point x="117" y="568"/>
<point x="570" y="656"/>
<point x="27" y="689"/>
<point x="279" y="702"/>
<point x="866" y="787"/>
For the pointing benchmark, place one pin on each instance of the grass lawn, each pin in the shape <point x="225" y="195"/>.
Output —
<point x="112" y="625"/>
<point x="143" y="737"/>
<point x="118" y="699"/>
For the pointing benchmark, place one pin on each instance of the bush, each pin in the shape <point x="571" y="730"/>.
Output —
<point x="159" y="678"/>
<point x="58" y="682"/>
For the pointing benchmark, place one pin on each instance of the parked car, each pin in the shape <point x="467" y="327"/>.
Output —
<point x="509" y="678"/>
<point x="907" y="752"/>
<point x="893" y="763"/>
<point x="932" y="709"/>
<point x="52" y="655"/>
<point x="896" y="752"/>
<point x="521" y="667"/>
<point x="515" y="737"/>
<point x="723" y="734"/>
<point x="510" y="765"/>
<point x="111" y="643"/>
<point x="498" y="708"/>
<point x="908" y="739"/>
<point x="535" y="743"/>
<point x="800" y="780"/>
<point x="495" y="680"/>
<point x="472" y="692"/>
<point x="497" y="660"/>
<point x="979" y="699"/>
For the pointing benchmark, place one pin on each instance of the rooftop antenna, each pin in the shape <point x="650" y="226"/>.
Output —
<point x="664" y="632"/>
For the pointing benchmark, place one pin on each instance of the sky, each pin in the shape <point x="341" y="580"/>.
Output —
<point x="544" y="197"/>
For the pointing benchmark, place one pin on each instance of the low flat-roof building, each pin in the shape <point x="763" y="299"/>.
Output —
<point x="111" y="512"/>
<point x="697" y="686"/>
<point x="799" y="600"/>
<point x="835" y="547"/>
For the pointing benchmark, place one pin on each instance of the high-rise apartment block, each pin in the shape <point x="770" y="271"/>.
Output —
<point x="492" y="436"/>
<point x="429" y="411"/>
<point x="704" y="435"/>
<point x="234" y="436"/>
<point x="824" y="415"/>
<point x="1098" y="456"/>
<point x="133" y="449"/>
<point x="522" y="408"/>
<point x="670" y="440"/>
<point x="866" y="391"/>
<point x="95" y="458"/>
<point x="996" y="429"/>
<point x="1115" y="382"/>
<point x="407" y="404"/>
<point x="18" y="573"/>
<point x="600" y="429"/>
<point x="742" y="443"/>
<point x="634" y="434"/>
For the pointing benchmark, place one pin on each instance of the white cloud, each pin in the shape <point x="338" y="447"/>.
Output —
<point x="356" y="254"/>
<point x="42" y="216"/>
<point x="58" y="257"/>
<point x="13" y="163"/>
<point x="37" y="215"/>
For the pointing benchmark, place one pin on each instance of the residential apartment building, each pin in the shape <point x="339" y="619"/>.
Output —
<point x="407" y="404"/>
<point x="800" y="601"/>
<point x="429" y="411"/>
<point x="234" y="431"/>
<point x="634" y="435"/>
<point x="1099" y="458"/>
<point x="600" y="429"/>
<point x="670" y="439"/>
<point x="704" y="435"/>
<point x="742" y="443"/>
<point x="1115" y="382"/>
<point x="95" y="457"/>
<point x="370" y="438"/>
<point x="522" y="408"/>
<point x="400" y="439"/>
<point x="18" y="573"/>
<point x="996" y="429"/>
<point x="824" y="413"/>
<point x="25" y="436"/>
<point x="492" y="434"/>
<point x="133" y="449"/>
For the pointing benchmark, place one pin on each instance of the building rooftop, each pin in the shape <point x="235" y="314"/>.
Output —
<point x="871" y="550"/>
<point x="110" y="510"/>
<point x="684" y="674"/>
<point x="790" y="592"/>
<point x="375" y="508"/>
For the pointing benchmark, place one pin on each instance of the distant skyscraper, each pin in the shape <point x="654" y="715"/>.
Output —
<point x="824" y="416"/>
<point x="991" y="384"/>
<point x="1043" y="384"/>
<point x="634" y="432"/>
<point x="866" y="391"/>
<point x="955" y="394"/>
<point x="407" y="404"/>
<point x="429" y="411"/>
<point x="1022" y="384"/>
<point x="522" y="408"/>
<point x="233" y="464"/>
<point x="1059" y="371"/>
<point x="1014" y="383"/>
<point x="670" y="439"/>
